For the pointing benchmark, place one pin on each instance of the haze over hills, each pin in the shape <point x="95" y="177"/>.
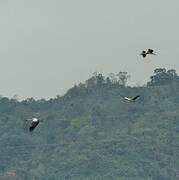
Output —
<point x="92" y="133"/>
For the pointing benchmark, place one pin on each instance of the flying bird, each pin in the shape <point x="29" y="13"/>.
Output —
<point x="144" y="54"/>
<point x="149" y="51"/>
<point x="34" y="123"/>
<point x="131" y="99"/>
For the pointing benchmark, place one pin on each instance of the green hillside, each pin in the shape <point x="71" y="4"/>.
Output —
<point x="91" y="133"/>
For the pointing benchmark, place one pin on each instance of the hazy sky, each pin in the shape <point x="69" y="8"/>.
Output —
<point x="47" y="46"/>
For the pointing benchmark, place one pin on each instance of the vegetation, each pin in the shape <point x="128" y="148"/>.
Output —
<point x="90" y="133"/>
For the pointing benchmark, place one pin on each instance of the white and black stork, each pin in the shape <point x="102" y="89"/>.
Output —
<point x="34" y="122"/>
<point x="131" y="99"/>
<point x="149" y="51"/>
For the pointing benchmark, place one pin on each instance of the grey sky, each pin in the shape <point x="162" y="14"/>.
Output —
<point x="46" y="46"/>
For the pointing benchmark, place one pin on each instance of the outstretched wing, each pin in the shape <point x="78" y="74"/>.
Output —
<point x="150" y="51"/>
<point x="134" y="98"/>
<point x="144" y="55"/>
<point x="33" y="125"/>
<point x="31" y="128"/>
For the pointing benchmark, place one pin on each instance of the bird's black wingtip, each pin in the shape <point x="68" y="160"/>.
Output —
<point x="31" y="129"/>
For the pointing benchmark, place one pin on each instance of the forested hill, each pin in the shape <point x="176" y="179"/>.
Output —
<point x="91" y="133"/>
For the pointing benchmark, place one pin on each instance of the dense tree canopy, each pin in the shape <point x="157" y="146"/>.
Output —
<point x="92" y="133"/>
<point x="162" y="76"/>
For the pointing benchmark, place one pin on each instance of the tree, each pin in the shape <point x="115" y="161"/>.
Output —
<point x="162" y="76"/>
<point x="113" y="78"/>
<point x="160" y="70"/>
<point x="172" y="73"/>
<point x="108" y="81"/>
<point x="122" y="78"/>
<point x="91" y="82"/>
<point x="100" y="79"/>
